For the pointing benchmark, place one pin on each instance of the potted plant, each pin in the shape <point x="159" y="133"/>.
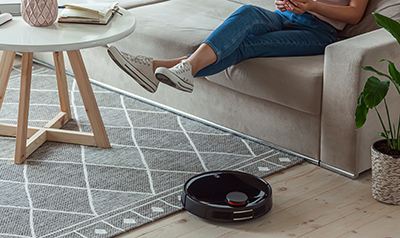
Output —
<point x="385" y="154"/>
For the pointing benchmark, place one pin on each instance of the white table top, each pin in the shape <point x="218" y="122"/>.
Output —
<point x="18" y="36"/>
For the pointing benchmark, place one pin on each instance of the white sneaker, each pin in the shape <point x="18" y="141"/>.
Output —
<point x="179" y="76"/>
<point x="140" y="68"/>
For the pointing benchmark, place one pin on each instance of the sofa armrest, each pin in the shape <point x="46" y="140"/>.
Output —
<point x="341" y="145"/>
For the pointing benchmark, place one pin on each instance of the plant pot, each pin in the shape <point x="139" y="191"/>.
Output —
<point x="385" y="176"/>
<point x="39" y="12"/>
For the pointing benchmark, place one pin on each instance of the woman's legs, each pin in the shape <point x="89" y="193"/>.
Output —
<point x="202" y="57"/>
<point x="249" y="32"/>
<point x="256" y="32"/>
<point x="272" y="44"/>
<point x="247" y="20"/>
<point x="301" y="35"/>
<point x="229" y="44"/>
<point x="228" y="36"/>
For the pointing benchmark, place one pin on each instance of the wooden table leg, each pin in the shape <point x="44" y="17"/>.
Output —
<point x="88" y="99"/>
<point x="38" y="135"/>
<point x="23" y="111"/>
<point x="6" y="64"/>
<point x="62" y="83"/>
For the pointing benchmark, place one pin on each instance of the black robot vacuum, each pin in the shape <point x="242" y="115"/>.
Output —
<point x="227" y="196"/>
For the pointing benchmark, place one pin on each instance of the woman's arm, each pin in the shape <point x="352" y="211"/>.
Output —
<point x="350" y="14"/>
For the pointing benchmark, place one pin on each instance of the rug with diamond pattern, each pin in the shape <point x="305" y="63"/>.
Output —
<point x="65" y="190"/>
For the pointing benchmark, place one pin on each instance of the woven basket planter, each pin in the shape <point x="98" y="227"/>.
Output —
<point x="385" y="177"/>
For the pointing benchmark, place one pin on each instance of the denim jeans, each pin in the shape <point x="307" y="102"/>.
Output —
<point x="256" y="32"/>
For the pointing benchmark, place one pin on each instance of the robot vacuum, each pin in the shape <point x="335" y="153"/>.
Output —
<point x="227" y="196"/>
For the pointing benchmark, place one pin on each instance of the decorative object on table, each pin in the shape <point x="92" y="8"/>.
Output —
<point x="137" y="181"/>
<point x="385" y="153"/>
<point x="227" y="196"/>
<point x="39" y="12"/>
<point x="92" y="13"/>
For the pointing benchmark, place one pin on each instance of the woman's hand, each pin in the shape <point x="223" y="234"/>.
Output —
<point x="298" y="6"/>
<point x="280" y="4"/>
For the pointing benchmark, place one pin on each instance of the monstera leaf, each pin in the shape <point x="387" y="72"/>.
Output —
<point x="361" y="111"/>
<point x="375" y="91"/>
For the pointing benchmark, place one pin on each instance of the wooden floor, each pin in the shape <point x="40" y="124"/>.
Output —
<point x="309" y="201"/>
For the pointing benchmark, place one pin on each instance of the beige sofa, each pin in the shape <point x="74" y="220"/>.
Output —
<point x="303" y="104"/>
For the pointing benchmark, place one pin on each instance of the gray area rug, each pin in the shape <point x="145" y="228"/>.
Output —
<point x="65" y="190"/>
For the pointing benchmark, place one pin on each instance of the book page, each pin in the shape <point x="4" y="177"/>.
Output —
<point x="77" y="13"/>
<point x="99" y="8"/>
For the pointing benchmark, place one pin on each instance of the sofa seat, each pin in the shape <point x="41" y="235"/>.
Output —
<point x="294" y="82"/>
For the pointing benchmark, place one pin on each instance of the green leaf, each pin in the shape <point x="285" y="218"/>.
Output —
<point x="392" y="26"/>
<point x="369" y="68"/>
<point x="393" y="71"/>
<point x="375" y="91"/>
<point x="361" y="112"/>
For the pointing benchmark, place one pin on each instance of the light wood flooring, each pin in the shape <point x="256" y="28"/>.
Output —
<point x="309" y="201"/>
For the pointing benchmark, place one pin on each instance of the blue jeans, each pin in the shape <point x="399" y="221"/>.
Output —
<point x="256" y="32"/>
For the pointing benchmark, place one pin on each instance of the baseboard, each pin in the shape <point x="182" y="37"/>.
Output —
<point x="339" y="171"/>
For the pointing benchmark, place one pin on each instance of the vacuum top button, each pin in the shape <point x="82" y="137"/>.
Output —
<point x="237" y="199"/>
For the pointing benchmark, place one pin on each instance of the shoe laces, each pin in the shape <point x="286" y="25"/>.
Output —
<point x="183" y="67"/>
<point x="139" y="59"/>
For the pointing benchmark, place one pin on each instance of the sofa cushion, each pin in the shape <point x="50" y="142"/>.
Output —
<point x="389" y="8"/>
<point x="174" y="28"/>
<point x="295" y="82"/>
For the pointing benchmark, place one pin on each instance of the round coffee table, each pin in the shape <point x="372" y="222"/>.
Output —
<point x="18" y="36"/>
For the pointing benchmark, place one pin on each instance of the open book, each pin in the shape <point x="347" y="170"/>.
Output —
<point x="93" y="13"/>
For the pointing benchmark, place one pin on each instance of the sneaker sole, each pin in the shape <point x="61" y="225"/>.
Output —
<point x="179" y="84"/>
<point x="132" y="71"/>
